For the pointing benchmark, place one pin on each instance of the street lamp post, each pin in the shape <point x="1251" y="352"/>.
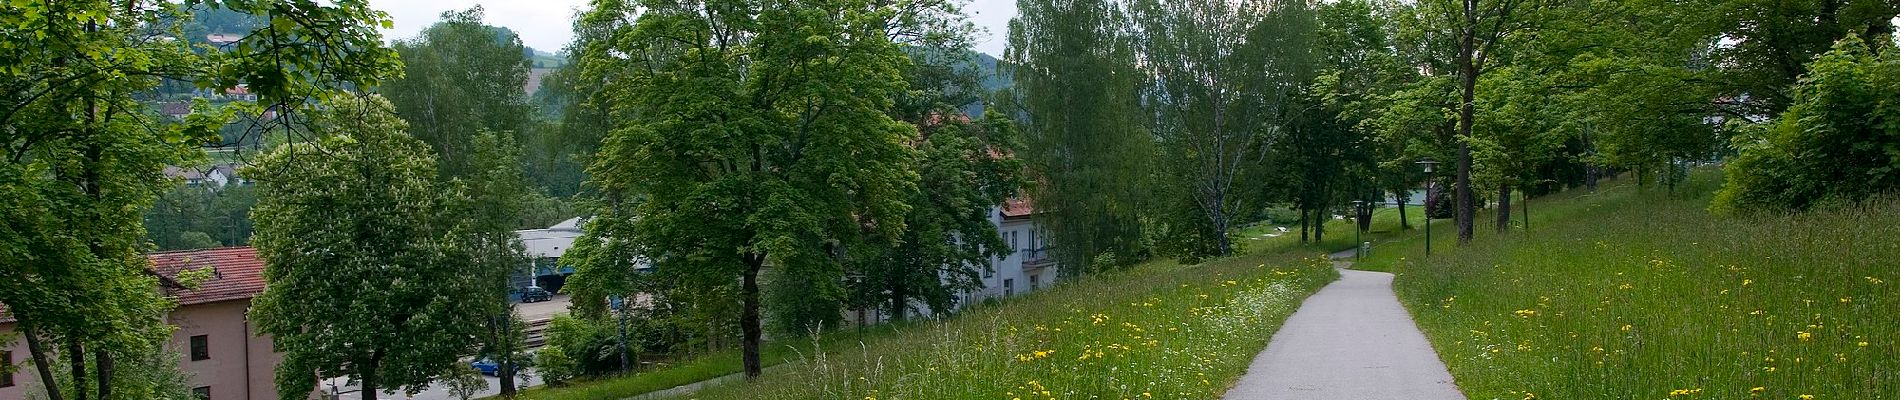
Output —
<point x="1428" y="163"/>
<point x="1358" y="228"/>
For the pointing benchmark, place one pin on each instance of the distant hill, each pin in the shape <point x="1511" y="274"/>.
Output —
<point x="992" y="79"/>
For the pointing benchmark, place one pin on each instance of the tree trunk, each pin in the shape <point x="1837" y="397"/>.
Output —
<point x="1319" y="223"/>
<point x="1527" y="213"/>
<point x="368" y="376"/>
<point x="1591" y="174"/>
<point x="1465" y="209"/>
<point x="103" y="368"/>
<point x="506" y="372"/>
<point x="1504" y="208"/>
<point x="897" y="303"/>
<point x="1399" y="198"/>
<point x="1303" y="223"/>
<point x="76" y="355"/>
<point x="43" y="363"/>
<point x="1219" y="219"/>
<point x="749" y="316"/>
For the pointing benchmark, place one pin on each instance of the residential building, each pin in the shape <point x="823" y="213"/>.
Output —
<point x="215" y="176"/>
<point x="216" y="345"/>
<point x="1027" y="267"/>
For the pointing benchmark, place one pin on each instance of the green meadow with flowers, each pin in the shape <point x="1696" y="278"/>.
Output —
<point x="1635" y="293"/>
<point x="1161" y="331"/>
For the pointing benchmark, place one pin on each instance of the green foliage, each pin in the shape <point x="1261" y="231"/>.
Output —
<point x="221" y="216"/>
<point x="580" y="347"/>
<point x="82" y="159"/>
<point x="773" y="120"/>
<point x="368" y="278"/>
<point x="460" y="78"/>
<point x="1222" y="80"/>
<point x="966" y="170"/>
<point x="1840" y="140"/>
<point x="555" y="366"/>
<point x="1076" y="96"/>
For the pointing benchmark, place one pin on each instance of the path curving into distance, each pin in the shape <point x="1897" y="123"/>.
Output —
<point x="1350" y="341"/>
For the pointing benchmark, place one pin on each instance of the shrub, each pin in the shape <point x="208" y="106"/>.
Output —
<point x="1840" y="139"/>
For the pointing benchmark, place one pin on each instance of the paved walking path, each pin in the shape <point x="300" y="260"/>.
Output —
<point x="1350" y="341"/>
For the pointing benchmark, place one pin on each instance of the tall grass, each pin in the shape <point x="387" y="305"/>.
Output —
<point x="1159" y="331"/>
<point x="1635" y="294"/>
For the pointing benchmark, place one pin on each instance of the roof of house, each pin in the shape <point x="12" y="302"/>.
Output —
<point x="1018" y="207"/>
<point x="183" y="173"/>
<point x="237" y="274"/>
<point x="175" y="109"/>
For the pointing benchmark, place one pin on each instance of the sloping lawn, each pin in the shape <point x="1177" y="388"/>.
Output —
<point x="1632" y="293"/>
<point x="1157" y="331"/>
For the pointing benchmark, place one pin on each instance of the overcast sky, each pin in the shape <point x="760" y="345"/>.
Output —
<point x="547" y="25"/>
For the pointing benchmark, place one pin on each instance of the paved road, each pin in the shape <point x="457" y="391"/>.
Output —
<point x="543" y="310"/>
<point x="1350" y="341"/>
<point x="435" y="392"/>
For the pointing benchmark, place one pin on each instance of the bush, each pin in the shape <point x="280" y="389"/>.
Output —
<point x="555" y="366"/>
<point x="1840" y="140"/>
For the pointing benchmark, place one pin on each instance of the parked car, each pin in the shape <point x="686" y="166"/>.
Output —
<point x="534" y="294"/>
<point x="486" y="366"/>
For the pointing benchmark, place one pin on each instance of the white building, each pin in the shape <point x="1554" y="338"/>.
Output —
<point x="1027" y="267"/>
<point x="545" y="248"/>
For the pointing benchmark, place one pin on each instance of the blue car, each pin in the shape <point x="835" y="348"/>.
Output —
<point x="486" y="366"/>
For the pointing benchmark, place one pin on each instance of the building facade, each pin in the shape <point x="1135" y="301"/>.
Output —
<point x="214" y="341"/>
<point x="1027" y="267"/>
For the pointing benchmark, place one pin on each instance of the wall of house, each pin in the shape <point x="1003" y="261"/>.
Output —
<point x="25" y="380"/>
<point x="241" y="364"/>
<point x="1009" y="275"/>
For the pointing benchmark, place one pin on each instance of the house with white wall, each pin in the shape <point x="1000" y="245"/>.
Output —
<point x="1027" y="267"/>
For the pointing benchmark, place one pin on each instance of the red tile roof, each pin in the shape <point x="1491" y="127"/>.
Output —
<point x="237" y="273"/>
<point x="1018" y="207"/>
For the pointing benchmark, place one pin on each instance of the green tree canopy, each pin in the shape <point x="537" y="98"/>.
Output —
<point x="752" y="133"/>
<point x="368" y="277"/>
<point x="1840" y="140"/>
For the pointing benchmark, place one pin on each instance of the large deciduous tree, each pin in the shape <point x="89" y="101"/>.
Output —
<point x="753" y="134"/>
<point x="82" y="157"/>
<point x="461" y="77"/>
<point x="1213" y="90"/>
<point x="1077" y="95"/>
<point x="367" y="275"/>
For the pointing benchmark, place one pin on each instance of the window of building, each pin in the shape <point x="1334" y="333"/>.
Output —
<point x="201" y="392"/>
<point x="1009" y="287"/>
<point x="200" y="348"/>
<point x="1035" y="282"/>
<point x="1012" y="241"/>
<point x="6" y="365"/>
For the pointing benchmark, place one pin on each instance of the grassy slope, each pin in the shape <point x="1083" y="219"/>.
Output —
<point x="1282" y="250"/>
<point x="1634" y="294"/>
<point x="1160" y="330"/>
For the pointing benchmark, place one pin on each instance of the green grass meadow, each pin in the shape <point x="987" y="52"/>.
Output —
<point x="1270" y="281"/>
<point x="1157" y="331"/>
<point x="1628" y="293"/>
